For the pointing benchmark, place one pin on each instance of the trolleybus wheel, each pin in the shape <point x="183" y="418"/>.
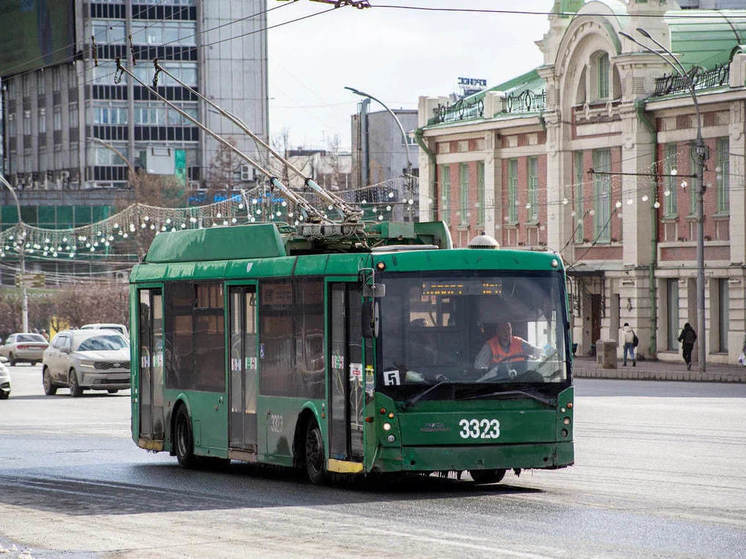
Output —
<point x="314" y="454"/>
<point x="487" y="476"/>
<point x="183" y="440"/>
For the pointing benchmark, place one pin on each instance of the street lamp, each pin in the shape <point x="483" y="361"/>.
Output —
<point x="701" y="154"/>
<point x="108" y="146"/>
<point x="398" y="122"/>
<point x="24" y="302"/>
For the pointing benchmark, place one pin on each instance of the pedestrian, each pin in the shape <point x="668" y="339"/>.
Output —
<point x="687" y="338"/>
<point x="630" y="341"/>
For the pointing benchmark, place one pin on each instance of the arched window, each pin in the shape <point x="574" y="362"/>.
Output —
<point x="602" y="76"/>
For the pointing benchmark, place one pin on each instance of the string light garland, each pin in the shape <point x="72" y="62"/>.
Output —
<point x="107" y="237"/>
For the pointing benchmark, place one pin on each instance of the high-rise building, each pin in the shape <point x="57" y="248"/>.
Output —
<point x="58" y="68"/>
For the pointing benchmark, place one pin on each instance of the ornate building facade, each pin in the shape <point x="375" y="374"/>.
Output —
<point x="591" y="155"/>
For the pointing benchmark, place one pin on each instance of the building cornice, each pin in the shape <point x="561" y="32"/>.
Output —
<point x="487" y="125"/>
<point x="684" y="99"/>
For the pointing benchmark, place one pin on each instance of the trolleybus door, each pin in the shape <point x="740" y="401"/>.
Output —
<point x="346" y="389"/>
<point x="150" y="385"/>
<point x="243" y="368"/>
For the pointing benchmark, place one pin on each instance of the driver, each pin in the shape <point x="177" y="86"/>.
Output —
<point x="504" y="347"/>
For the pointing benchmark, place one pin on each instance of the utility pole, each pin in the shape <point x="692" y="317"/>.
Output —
<point x="701" y="154"/>
<point x="24" y="289"/>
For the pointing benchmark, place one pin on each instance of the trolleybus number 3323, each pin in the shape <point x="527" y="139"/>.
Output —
<point x="479" y="428"/>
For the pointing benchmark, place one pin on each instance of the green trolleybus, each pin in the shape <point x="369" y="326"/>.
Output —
<point x="357" y="352"/>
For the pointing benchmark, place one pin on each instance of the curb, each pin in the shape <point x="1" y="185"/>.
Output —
<point x="642" y="374"/>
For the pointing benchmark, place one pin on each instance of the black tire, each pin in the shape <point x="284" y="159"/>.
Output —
<point x="12" y="360"/>
<point x="50" y="389"/>
<point x="75" y="389"/>
<point x="183" y="440"/>
<point x="487" y="476"/>
<point x="314" y="454"/>
<point x="4" y="395"/>
<point x="112" y="390"/>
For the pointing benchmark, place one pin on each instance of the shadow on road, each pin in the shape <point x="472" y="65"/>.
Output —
<point x="66" y="396"/>
<point x="169" y="488"/>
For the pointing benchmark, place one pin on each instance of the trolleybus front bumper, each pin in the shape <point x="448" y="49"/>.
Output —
<point x="475" y="457"/>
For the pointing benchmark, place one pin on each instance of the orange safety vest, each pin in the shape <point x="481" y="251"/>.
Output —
<point x="514" y="353"/>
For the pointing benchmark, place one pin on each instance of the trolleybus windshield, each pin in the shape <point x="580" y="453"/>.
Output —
<point x="478" y="331"/>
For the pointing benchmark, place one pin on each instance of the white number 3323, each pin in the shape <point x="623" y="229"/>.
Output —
<point x="479" y="428"/>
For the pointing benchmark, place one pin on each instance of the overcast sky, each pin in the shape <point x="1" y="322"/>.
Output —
<point x="394" y="54"/>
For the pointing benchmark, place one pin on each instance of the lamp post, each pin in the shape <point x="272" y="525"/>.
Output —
<point x="108" y="146"/>
<point x="700" y="150"/>
<point x="24" y="301"/>
<point x="408" y="177"/>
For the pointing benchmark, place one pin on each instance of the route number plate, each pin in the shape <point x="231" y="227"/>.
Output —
<point x="479" y="428"/>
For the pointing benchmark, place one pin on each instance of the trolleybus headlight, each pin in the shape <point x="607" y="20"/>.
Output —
<point x="381" y="266"/>
<point x="391" y="438"/>
<point x="387" y="426"/>
<point x="391" y="415"/>
<point x="566" y="421"/>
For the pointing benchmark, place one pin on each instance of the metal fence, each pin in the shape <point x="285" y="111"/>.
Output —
<point x="701" y="78"/>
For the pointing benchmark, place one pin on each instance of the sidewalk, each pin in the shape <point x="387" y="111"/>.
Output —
<point x="586" y="367"/>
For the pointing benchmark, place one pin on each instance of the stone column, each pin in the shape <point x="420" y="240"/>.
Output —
<point x="638" y="154"/>
<point x="737" y="201"/>
<point x="428" y="170"/>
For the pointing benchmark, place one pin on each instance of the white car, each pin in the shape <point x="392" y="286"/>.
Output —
<point x="4" y="379"/>
<point x="121" y="328"/>
<point x="87" y="359"/>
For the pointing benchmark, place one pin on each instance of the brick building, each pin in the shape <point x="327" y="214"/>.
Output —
<point x="515" y="161"/>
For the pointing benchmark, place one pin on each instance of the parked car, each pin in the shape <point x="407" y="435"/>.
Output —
<point x="86" y="359"/>
<point x="25" y="346"/>
<point x="121" y="328"/>
<point x="4" y="379"/>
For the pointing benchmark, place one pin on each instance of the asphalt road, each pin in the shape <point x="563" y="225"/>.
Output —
<point x="659" y="473"/>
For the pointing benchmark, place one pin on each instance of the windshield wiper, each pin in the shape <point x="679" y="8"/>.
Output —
<point x="545" y="401"/>
<point x="420" y="395"/>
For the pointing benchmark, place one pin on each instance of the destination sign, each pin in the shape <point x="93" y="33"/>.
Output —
<point x="469" y="287"/>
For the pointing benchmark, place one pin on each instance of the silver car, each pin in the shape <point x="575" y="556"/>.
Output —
<point x="4" y="379"/>
<point x="86" y="359"/>
<point x="24" y="347"/>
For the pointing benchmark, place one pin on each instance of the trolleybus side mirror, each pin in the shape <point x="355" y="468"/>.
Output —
<point x="369" y="319"/>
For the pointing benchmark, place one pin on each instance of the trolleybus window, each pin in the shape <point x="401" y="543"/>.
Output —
<point x="195" y="342"/>
<point x="292" y="338"/>
<point x="446" y="328"/>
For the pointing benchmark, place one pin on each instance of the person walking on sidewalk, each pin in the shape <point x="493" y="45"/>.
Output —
<point x="630" y="342"/>
<point x="687" y="339"/>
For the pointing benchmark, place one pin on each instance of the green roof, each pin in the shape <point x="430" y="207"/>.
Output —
<point x="706" y="38"/>
<point x="217" y="243"/>
<point x="530" y="80"/>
